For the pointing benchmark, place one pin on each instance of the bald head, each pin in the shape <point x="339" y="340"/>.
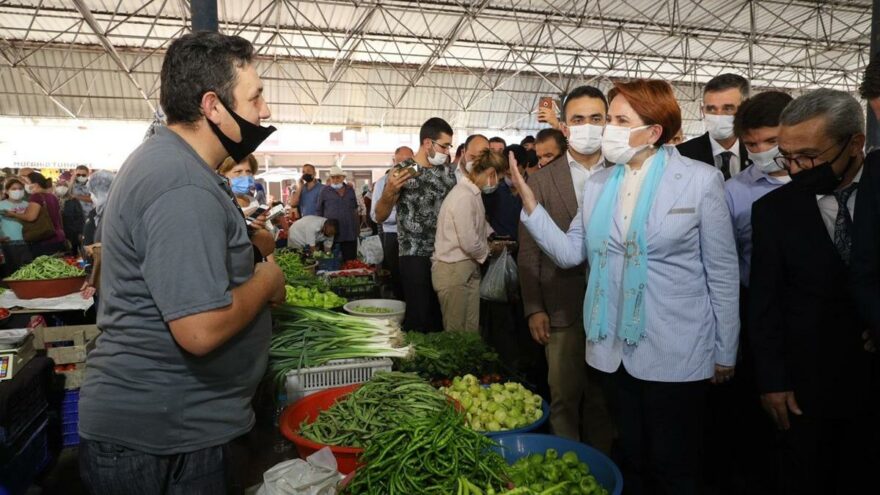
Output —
<point x="403" y="153"/>
<point x="474" y="147"/>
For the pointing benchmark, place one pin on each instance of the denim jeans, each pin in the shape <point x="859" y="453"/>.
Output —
<point x="111" y="469"/>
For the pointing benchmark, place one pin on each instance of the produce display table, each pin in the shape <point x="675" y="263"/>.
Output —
<point x="70" y="302"/>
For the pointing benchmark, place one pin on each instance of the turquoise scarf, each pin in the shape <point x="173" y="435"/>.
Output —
<point x="635" y="269"/>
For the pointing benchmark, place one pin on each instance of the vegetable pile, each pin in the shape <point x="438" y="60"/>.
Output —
<point x="355" y="264"/>
<point x="291" y="264"/>
<point x="307" y="337"/>
<point x="496" y="407"/>
<point x="46" y="268"/>
<point x="548" y="473"/>
<point x="428" y="454"/>
<point x="376" y="310"/>
<point x="442" y="355"/>
<point x="312" y="298"/>
<point x="386" y="400"/>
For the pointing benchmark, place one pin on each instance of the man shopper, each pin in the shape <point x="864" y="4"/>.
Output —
<point x="418" y="188"/>
<point x="308" y="189"/>
<point x="388" y="228"/>
<point x="184" y="310"/>
<point x="719" y="146"/>
<point x="817" y="380"/>
<point x="553" y="297"/>
<point x="313" y="232"/>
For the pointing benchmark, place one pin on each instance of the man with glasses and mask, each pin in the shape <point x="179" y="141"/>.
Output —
<point x="81" y="188"/>
<point x="719" y="146"/>
<point x="418" y="187"/>
<point x="817" y="380"/>
<point x="184" y="312"/>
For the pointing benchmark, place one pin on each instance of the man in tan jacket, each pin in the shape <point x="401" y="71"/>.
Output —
<point x="553" y="298"/>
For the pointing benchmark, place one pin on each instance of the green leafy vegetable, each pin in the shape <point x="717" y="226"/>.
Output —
<point x="448" y="354"/>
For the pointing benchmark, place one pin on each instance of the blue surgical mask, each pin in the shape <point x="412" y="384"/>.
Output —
<point x="242" y="184"/>
<point x="336" y="186"/>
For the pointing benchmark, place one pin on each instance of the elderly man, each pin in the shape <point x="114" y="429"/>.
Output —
<point x="817" y="380"/>
<point x="390" y="246"/>
<point x="338" y="201"/>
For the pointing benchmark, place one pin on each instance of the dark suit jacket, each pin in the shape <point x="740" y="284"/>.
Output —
<point x="865" y="257"/>
<point x="546" y="287"/>
<point x="700" y="149"/>
<point x="804" y="327"/>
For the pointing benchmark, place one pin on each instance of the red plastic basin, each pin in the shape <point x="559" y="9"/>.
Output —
<point x="307" y="409"/>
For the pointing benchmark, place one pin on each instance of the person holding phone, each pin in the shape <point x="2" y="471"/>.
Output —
<point x="547" y="112"/>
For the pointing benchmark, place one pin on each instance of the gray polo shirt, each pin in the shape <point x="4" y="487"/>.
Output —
<point x="174" y="245"/>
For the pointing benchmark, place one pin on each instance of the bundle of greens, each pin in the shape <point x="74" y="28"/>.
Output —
<point x="46" y="268"/>
<point x="447" y="354"/>
<point x="428" y="454"/>
<point x="387" y="399"/>
<point x="307" y="337"/>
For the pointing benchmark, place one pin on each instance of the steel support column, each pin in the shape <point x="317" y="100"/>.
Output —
<point x="204" y="15"/>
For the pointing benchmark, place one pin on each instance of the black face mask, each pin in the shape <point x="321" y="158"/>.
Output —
<point x="308" y="177"/>
<point x="252" y="136"/>
<point x="821" y="179"/>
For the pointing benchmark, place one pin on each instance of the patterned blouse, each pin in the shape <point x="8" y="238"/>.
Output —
<point x="419" y="206"/>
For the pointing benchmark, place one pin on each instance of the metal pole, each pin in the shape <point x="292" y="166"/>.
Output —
<point x="873" y="130"/>
<point x="204" y="15"/>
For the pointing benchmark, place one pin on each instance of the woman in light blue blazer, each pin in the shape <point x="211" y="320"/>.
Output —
<point x="662" y="295"/>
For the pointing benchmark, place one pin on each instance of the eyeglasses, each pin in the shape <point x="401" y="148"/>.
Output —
<point x="807" y="162"/>
<point x="80" y="175"/>
<point x="444" y="147"/>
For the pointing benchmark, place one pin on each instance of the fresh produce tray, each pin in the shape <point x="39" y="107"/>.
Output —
<point x="306" y="381"/>
<point x="37" y="289"/>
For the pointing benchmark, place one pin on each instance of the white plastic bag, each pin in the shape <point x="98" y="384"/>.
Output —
<point x="500" y="279"/>
<point x="317" y="475"/>
<point x="371" y="251"/>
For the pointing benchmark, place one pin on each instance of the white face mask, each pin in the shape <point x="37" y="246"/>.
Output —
<point x="61" y="190"/>
<point x="82" y="180"/>
<point x="16" y="195"/>
<point x="719" y="126"/>
<point x="438" y="158"/>
<point x="764" y="160"/>
<point x="585" y="139"/>
<point x="615" y="143"/>
<point x="487" y="189"/>
<point x="468" y="166"/>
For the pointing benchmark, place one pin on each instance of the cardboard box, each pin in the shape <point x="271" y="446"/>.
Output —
<point x="66" y="345"/>
<point x="12" y="360"/>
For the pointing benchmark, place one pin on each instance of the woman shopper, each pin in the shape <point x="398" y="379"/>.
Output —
<point x="73" y="218"/>
<point x="461" y="244"/>
<point x="41" y="198"/>
<point x="241" y="180"/>
<point x="15" y="251"/>
<point x="661" y="309"/>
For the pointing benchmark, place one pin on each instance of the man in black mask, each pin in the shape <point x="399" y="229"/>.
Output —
<point x="184" y="311"/>
<point x="307" y="192"/>
<point x="818" y="381"/>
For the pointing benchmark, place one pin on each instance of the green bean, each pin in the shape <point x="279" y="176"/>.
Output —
<point x="46" y="268"/>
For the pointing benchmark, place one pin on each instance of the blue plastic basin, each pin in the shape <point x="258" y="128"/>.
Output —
<point x="514" y="446"/>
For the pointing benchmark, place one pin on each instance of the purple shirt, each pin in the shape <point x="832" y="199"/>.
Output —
<point x="342" y="208"/>
<point x="741" y="192"/>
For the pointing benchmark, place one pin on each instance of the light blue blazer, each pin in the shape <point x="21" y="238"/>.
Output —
<point x="693" y="275"/>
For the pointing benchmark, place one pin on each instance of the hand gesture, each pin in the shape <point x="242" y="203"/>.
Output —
<point x="525" y="192"/>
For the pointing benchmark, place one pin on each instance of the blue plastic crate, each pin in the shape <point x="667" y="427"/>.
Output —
<point x="19" y="473"/>
<point x="330" y="265"/>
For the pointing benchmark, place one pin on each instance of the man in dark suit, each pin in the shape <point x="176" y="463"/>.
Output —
<point x="553" y="297"/>
<point x="817" y="381"/>
<point x="719" y="146"/>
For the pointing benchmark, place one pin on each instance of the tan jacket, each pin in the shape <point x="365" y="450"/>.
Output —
<point x="545" y="287"/>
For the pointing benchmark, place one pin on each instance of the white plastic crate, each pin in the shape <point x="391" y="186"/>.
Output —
<point x="338" y="373"/>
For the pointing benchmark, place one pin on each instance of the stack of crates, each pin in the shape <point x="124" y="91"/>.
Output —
<point x="24" y="451"/>
<point x="70" y="418"/>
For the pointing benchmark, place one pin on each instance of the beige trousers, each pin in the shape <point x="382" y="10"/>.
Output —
<point x="577" y="406"/>
<point x="458" y="289"/>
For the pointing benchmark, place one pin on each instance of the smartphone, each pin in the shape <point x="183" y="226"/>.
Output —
<point x="259" y="211"/>
<point x="414" y="169"/>
<point x="545" y="102"/>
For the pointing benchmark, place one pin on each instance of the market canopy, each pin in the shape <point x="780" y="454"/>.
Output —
<point x="481" y="64"/>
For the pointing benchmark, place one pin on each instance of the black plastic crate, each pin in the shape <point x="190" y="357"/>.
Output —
<point x="357" y="292"/>
<point x="25" y="406"/>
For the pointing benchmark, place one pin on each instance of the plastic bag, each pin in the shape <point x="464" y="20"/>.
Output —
<point x="371" y="251"/>
<point x="501" y="278"/>
<point x="315" y="476"/>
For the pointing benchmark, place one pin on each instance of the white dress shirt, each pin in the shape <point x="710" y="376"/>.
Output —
<point x="828" y="207"/>
<point x="630" y="189"/>
<point x="389" y="226"/>
<point x="735" y="160"/>
<point x="580" y="174"/>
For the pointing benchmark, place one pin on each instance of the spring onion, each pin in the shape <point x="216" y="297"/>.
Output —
<point x="307" y="337"/>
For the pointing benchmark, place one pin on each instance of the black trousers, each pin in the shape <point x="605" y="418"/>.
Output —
<point x="349" y="250"/>
<point x="422" y="307"/>
<point x="391" y="262"/>
<point x="660" y="433"/>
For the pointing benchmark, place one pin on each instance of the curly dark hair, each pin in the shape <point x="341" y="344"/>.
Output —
<point x="195" y="64"/>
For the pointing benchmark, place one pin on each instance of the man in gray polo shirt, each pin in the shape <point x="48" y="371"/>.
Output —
<point x="184" y="309"/>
